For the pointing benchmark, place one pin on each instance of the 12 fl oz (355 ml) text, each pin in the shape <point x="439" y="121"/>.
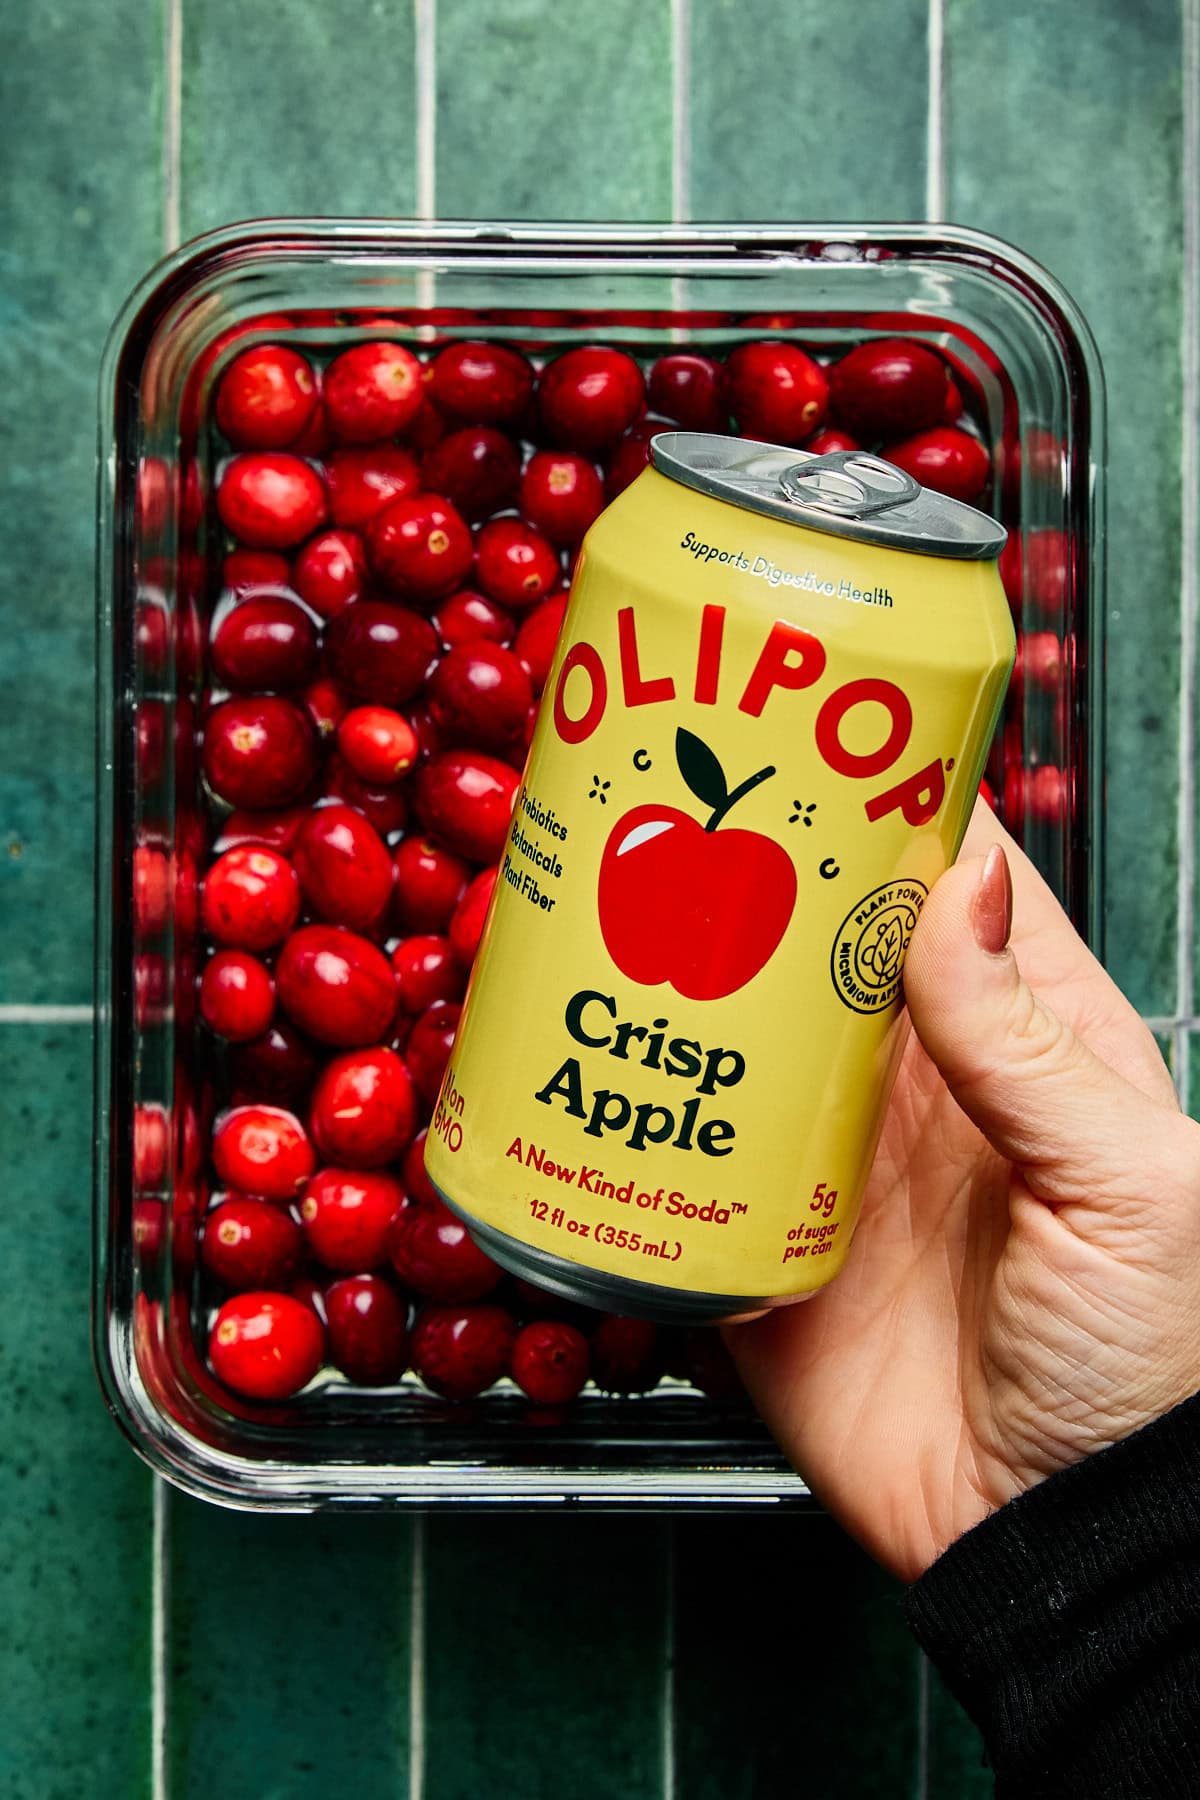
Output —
<point x="618" y="1236"/>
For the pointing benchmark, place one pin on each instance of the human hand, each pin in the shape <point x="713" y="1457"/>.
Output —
<point x="1024" y="1284"/>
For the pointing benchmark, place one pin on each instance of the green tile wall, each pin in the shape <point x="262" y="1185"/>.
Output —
<point x="552" y="1656"/>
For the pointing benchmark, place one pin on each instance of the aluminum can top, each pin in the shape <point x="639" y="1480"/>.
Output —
<point x="850" y="493"/>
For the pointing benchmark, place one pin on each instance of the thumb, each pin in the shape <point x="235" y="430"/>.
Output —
<point x="1078" y="1131"/>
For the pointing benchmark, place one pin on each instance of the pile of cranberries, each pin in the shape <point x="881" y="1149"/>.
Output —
<point x="392" y="536"/>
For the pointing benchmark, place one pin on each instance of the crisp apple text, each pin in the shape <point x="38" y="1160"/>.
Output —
<point x="591" y="1020"/>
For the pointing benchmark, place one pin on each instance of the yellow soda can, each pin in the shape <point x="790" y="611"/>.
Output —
<point x="758" y="748"/>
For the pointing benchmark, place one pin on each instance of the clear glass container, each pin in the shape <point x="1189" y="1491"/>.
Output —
<point x="1028" y="367"/>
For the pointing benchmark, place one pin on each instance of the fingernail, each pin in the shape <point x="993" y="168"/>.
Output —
<point x="991" y="915"/>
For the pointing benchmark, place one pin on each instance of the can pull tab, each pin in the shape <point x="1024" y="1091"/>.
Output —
<point x="852" y="483"/>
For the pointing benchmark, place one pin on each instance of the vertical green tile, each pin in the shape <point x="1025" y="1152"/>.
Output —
<point x="80" y="89"/>
<point x="296" y="110"/>
<point x="544" y="1658"/>
<point x="288" y="1655"/>
<point x="75" y="1503"/>
<point x="1084" y="174"/>
<point x="794" y="1670"/>
<point x="956" y="1765"/>
<point x="546" y="114"/>
<point x="807" y="111"/>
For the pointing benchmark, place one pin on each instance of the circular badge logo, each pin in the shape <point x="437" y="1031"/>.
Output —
<point x="871" y="943"/>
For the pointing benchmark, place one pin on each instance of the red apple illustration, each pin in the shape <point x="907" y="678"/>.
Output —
<point x="685" y="903"/>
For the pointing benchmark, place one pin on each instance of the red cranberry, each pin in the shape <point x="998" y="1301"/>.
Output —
<point x="149" y="989"/>
<point x="237" y="995"/>
<point x="467" y="616"/>
<point x="251" y="898"/>
<point x="477" y="469"/>
<point x="710" y="1367"/>
<point x="888" y="386"/>
<point x="385" y="807"/>
<point x="417" y="1184"/>
<point x="344" y="868"/>
<point x="151" y="1144"/>
<point x="466" y="799"/>
<point x="265" y="398"/>
<point x="268" y="830"/>
<point x="429" y="1046"/>
<point x="152" y="633"/>
<point x="561" y="494"/>
<point x="326" y="704"/>
<point x="426" y="970"/>
<point x="330" y="571"/>
<point x="336" y="985"/>
<point x="270" y="500"/>
<point x="347" y="1215"/>
<point x="952" y="411"/>
<point x="308" y="1290"/>
<point x="262" y="1150"/>
<point x="1040" y="661"/>
<point x="466" y="927"/>
<point x="266" y="1346"/>
<point x="550" y="1361"/>
<point x="151" y="890"/>
<point x="368" y="1330"/>
<point x="371" y="391"/>
<point x="825" y="442"/>
<point x="381" y="651"/>
<point x="148" y="1228"/>
<point x="690" y="389"/>
<point x="626" y="1355"/>
<point x="1047" y="565"/>
<point x="514" y="564"/>
<point x="481" y="384"/>
<point x="1047" y="793"/>
<point x="380" y="745"/>
<point x="259" y="751"/>
<point x="627" y="462"/>
<point x="363" y="1109"/>
<point x="458" y="1351"/>
<point x="430" y="882"/>
<point x="590" y="396"/>
<point x="428" y="735"/>
<point x="250" y="1244"/>
<point x="480" y="694"/>
<point x="362" y="482"/>
<point x="316" y="440"/>
<point x="538" y="638"/>
<point x="277" y="1067"/>
<point x="539" y="1303"/>
<point x="428" y="427"/>
<point x="776" y="391"/>
<point x="266" y="641"/>
<point x="949" y="461"/>
<point x="421" y="547"/>
<point x="434" y="1254"/>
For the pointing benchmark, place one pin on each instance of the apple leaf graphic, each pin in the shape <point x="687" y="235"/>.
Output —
<point x="706" y="778"/>
<point x="700" y="769"/>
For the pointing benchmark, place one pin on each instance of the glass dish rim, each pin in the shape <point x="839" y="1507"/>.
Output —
<point x="713" y="248"/>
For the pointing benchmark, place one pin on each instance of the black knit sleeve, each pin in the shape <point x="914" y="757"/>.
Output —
<point x="1068" y="1624"/>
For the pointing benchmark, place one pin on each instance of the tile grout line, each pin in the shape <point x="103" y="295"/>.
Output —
<point x="935" y="115"/>
<point x="922" y="1770"/>
<point x="425" y="129"/>
<point x="1189" y="526"/>
<point x="681" y="139"/>
<point x="416" y="1664"/>
<point x="668" y="1681"/>
<point x="14" y="1013"/>
<point x="172" y="122"/>
<point x="159" y="1616"/>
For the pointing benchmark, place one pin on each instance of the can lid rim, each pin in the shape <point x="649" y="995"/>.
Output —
<point x="852" y="494"/>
